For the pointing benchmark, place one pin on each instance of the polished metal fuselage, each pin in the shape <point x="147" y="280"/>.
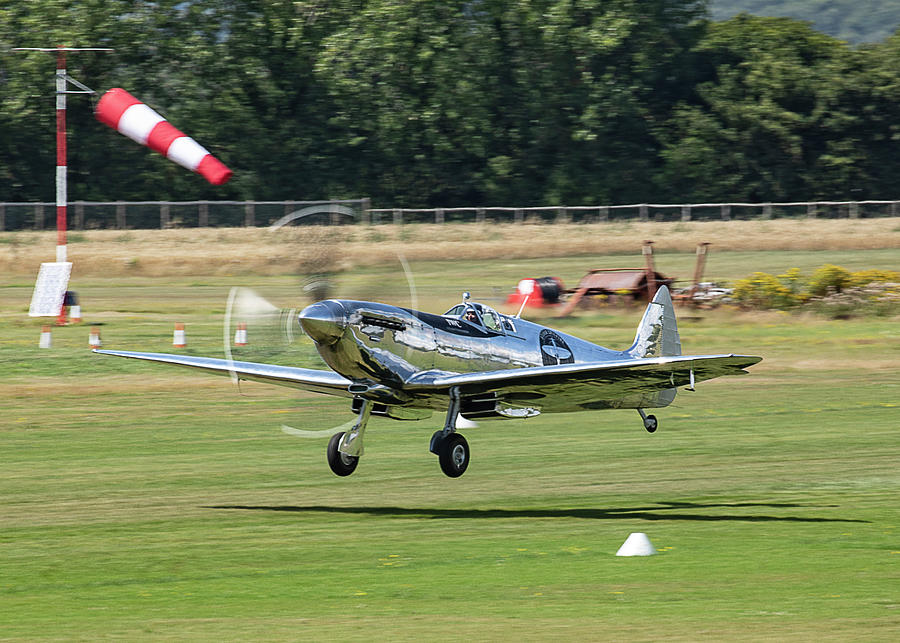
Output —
<point x="382" y="347"/>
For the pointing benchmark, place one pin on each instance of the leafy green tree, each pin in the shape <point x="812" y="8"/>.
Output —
<point x="766" y="121"/>
<point x="541" y="100"/>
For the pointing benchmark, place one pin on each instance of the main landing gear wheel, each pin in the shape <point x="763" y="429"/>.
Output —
<point x="650" y="422"/>
<point x="341" y="463"/>
<point x="453" y="454"/>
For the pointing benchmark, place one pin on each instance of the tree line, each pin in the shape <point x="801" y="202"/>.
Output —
<point x="419" y="103"/>
<point x="855" y="21"/>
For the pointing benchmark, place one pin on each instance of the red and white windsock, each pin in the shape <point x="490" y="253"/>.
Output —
<point x="129" y="116"/>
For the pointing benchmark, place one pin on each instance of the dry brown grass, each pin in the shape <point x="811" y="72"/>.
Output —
<point x="224" y="251"/>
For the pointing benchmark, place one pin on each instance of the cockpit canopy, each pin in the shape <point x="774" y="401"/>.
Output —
<point x="479" y="315"/>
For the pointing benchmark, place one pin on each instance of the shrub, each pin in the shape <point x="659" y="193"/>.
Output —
<point x="828" y="279"/>
<point x="866" y="277"/>
<point x="879" y="299"/>
<point x="832" y="291"/>
<point x="762" y="290"/>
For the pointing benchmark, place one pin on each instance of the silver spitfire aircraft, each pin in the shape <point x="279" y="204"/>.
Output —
<point x="476" y="363"/>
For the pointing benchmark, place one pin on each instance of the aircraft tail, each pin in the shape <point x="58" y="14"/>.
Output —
<point x="657" y="334"/>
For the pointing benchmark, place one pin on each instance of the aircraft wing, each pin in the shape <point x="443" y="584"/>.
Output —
<point x="308" y="379"/>
<point x="626" y="383"/>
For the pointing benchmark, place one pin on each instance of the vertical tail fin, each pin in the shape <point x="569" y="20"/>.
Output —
<point x="657" y="334"/>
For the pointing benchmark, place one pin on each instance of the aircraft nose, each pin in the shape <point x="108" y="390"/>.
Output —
<point x="324" y="321"/>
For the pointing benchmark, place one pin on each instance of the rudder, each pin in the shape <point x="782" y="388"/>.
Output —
<point x="657" y="334"/>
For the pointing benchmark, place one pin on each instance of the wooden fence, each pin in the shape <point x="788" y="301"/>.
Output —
<point x="83" y="215"/>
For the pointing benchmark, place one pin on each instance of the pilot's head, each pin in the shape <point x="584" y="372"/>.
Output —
<point x="471" y="316"/>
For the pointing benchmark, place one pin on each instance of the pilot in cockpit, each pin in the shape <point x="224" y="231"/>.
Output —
<point x="470" y="315"/>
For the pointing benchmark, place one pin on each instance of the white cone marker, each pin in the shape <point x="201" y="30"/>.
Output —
<point x="637" y="544"/>
<point x="178" y="337"/>
<point x="240" y="335"/>
<point x="45" y="341"/>
<point x="94" y="337"/>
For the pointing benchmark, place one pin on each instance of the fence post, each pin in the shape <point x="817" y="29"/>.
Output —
<point x="120" y="215"/>
<point x="203" y="214"/>
<point x="39" y="216"/>
<point x="398" y="216"/>
<point x="479" y="215"/>
<point x="333" y="216"/>
<point x="685" y="213"/>
<point x="854" y="210"/>
<point x="518" y="215"/>
<point x="643" y="212"/>
<point x="439" y="215"/>
<point x="79" y="215"/>
<point x="767" y="211"/>
<point x="164" y="220"/>
<point x="562" y="214"/>
<point x="811" y="210"/>
<point x="2" y="217"/>
<point x="604" y="213"/>
<point x="366" y="214"/>
<point x="893" y="208"/>
<point x="725" y="211"/>
<point x="249" y="214"/>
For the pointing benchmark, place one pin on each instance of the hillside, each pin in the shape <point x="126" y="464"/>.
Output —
<point x="856" y="21"/>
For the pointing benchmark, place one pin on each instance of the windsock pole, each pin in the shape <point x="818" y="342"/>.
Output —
<point x="62" y="78"/>
<point x="61" y="163"/>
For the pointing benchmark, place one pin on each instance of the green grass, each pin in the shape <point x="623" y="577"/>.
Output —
<point x="145" y="502"/>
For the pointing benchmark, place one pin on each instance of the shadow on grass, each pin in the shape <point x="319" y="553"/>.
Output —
<point x="631" y="513"/>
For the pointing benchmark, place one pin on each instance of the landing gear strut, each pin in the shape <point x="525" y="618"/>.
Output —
<point x="450" y="447"/>
<point x="650" y="422"/>
<point x="344" y="449"/>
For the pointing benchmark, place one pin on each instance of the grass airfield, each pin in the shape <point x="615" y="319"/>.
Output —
<point x="144" y="502"/>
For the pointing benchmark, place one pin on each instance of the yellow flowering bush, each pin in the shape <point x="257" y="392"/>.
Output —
<point x="866" y="277"/>
<point x="831" y="290"/>
<point x="762" y="290"/>
<point x="828" y="279"/>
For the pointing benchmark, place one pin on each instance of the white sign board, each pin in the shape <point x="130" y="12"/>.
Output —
<point x="50" y="289"/>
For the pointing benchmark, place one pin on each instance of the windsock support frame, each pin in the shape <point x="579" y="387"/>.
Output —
<point x="62" y="80"/>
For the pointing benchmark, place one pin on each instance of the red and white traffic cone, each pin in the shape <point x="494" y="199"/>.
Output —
<point x="94" y="338"/>
<point x="240" y="335"/>
<point x="45" y="341"/>
<point x="178" y="338"/>
<point x="75" y="314"/>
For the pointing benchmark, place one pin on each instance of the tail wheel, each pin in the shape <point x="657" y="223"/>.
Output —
<point x="651" y="424"/>
<point x="341" y="463"/>
<point x="453" y="454"/>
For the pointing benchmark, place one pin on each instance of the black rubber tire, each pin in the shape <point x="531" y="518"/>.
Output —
<point x="453" y="454"/>
<point x="341" y="463"/>
<point x="651" y="424"/>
